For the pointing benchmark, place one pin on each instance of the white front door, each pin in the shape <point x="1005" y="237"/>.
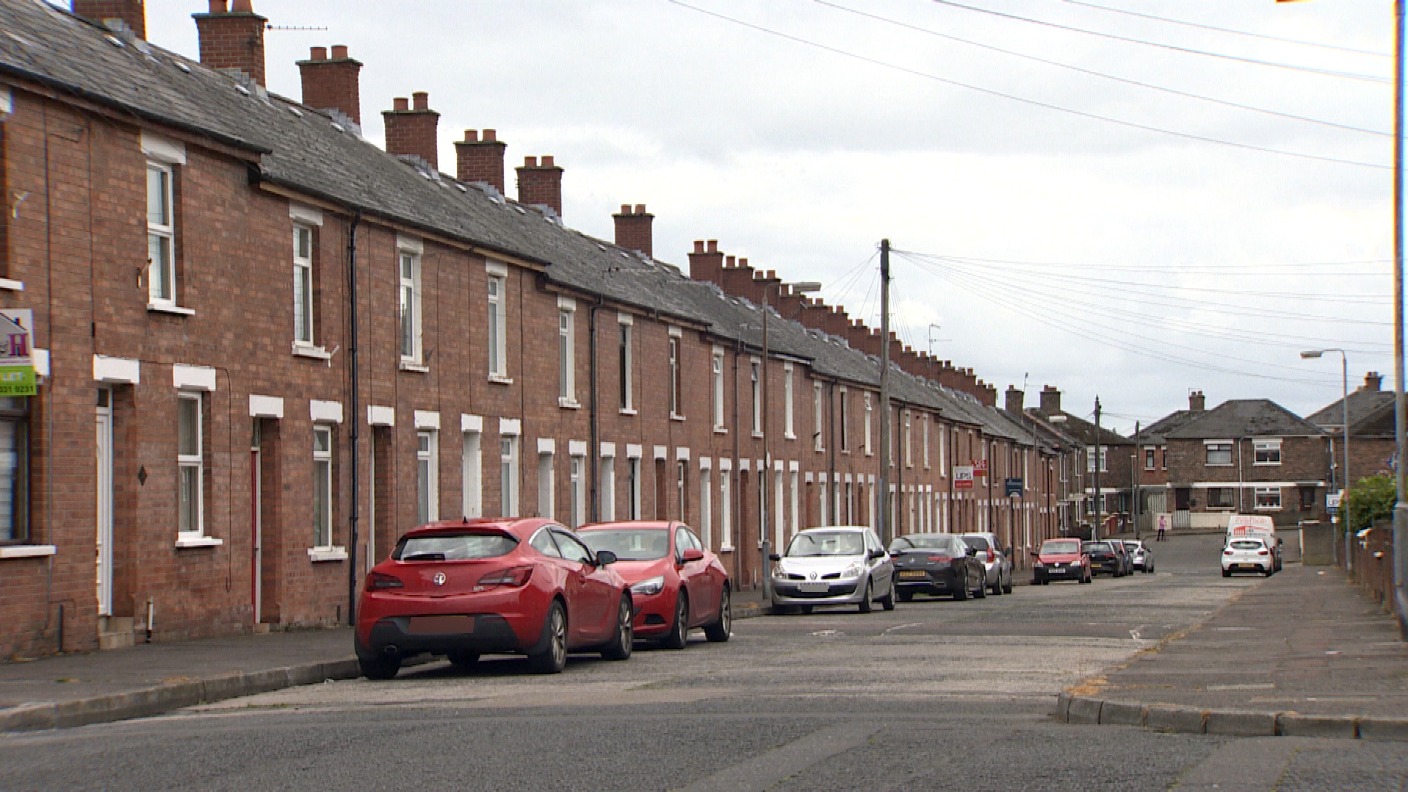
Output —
<point x="256" y="524"/>
<point x="104" y="504"/>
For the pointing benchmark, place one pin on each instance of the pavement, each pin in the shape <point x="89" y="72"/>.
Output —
<point x="1304" y="652"/>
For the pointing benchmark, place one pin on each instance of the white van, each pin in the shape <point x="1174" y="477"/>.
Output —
<point x="1255" y="526"/>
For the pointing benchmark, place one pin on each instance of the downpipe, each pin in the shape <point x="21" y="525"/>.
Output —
<point x="151" y="617"/>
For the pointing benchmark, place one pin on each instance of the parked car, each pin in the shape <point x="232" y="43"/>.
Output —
<point x="463" y="588"/>
<point x="1251" y="553"/>
<point x="1241" y="526"/>
<point x="1126" y="561"/>
<point x="1104" y="559"/>
<point x="936" y="564"/>
<point x="1140" y="556"/>
<point x="839" y="565"/>
<point x="997" y="563"/>
<point x="676" y="583"/>
<point x="1061" y="559"/>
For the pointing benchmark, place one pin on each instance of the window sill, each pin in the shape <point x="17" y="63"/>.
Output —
<point x="757" y="434"/>
<point x="728" y="548"/>
<point x="321" y="554"/>
<point x="788" y="436"/>
<point x="11" y="285"/>
<point x="568" y="404"/>
<point x="418" y="368"/>
<point x="628" y="411"/>
<point x="674" y="417"/>
<point x="720" y="430"/>
<point x="27" y="551"/>
<point x="198" y="541"/>
<point x="309" y="351"/>
<point x="499" y="379"/>
<point x="170" y="309"/>
<point x="1266" y="464"/>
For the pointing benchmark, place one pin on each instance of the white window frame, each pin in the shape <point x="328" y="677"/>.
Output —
<point x="725" y="508"/>
<point x="682" y="488"/>
<point x="676" y="385"/>
<point x="303" y="307"/>
<point x="625" y="370"/>
<point x="567" y="352"/>
<point x="1090" y="459"/>
<point x="869" y="416"/>
<point x="717" y="372"/>
<point x="908" y="439"/>
<point x="472" y="474"/>
<point x="755" y="373"/>
<point x="1259" y="492"/>
<point x="633" y="487"/>
<point x="191" y="464"/>
<point x="845" y="428"/>
<point x="496" y="299"/>
<point x="924" y="434"/>
<point x="409" y="297"/>
<point x="1271" y="449"/>
<point x="607" y="488"/>
<point x="706" y="505"/>
<point x="577" y="479"/>
<point x="322" y="487"/>
<point x="1211" y="446"/>
<point x="508" y="475"/>
<point x="162" y="229"/>
<point x="789" y="431"/>
<point x="427" y="475"/>
<point x="818" y="440"/>
<point x="547" y="484"/>
<point x="1150" y="457"/>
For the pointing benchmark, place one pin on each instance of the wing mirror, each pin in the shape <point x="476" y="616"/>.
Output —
<point x="774" y="557"/>
<point x="604" y="557"/>
<point x="693" y="554"/>
<point x="877" y="553"/>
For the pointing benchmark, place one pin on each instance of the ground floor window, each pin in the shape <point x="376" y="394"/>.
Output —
<point x="1220" y="498"/>
<point x="1268" y="498"/>
<point x="14" y="471"/>
<point x="322" y="486"/>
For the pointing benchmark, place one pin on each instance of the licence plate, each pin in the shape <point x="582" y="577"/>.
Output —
<point x="814" y="586"/>
<point x="436" y="625"/>
<point x="912" y="573"/>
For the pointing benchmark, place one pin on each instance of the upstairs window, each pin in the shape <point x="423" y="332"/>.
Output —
<point x="1219" y="452"/>
<point x="303" y="285"/>
<point x="497" y="315"/>
<point x="161" y="234"/>
<point x="1268" y="452"/>
<point x="869" y="409"/>
<point x="718" y="390"/>
<point x="624" y="364"/>
<point x="567" y="353"/>
<point x="675" y="377"/>
<point x="787" y="411"/>
<point x="410" y="306"/>
<point x="1148" y="459"/>
<point x="817" y="418"/>
<point x="756" y="381"/>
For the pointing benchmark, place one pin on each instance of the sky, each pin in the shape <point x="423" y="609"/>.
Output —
<point x="1124" y="199"/>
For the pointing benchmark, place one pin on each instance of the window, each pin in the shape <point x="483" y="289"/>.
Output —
<point x="578" y="481"/>
<point x="924" y="436"/>
<point x="1268" y="498"/>
<point x="498" y="321"/>
<point x="546" y="485"/>
<point x="1090" y="459"/>
<point x="410" y="306"/>
<point x="190" y="460"/>
<point x="706" y="506"/>
<point x="1307" y="499"/>
<point x="472" y="485"/>
<point x="1148" y="459"/>
<point x="624" y="365"/>
<point x="1267" y="452"/>
<point x="869" y="409"/>
<point x="303" y="285"/>
<point x="508" y="475"/>
<point x="427" y="482"/>
<point x="682" y="488"/>
<point x="1220" y="498"/>
<point x="322" y="486"/>
<point x="633" y="488"/>
<point x="908" y="440"/>
<point x="725" y="511"/>
<point x="14" y="471"/>
<point x="607" y="493"/>
<point x="718" y="380"/>
<point x="566" y="353"/>
<point x="1218" y="452"/>
<point x="788" y="429"/>
<point x="161" y="234"/>
<point x="675" y="409"/>
<point x="817" y="423"/>
<point x="755" y="375"/>
<point x="845" y="427"/>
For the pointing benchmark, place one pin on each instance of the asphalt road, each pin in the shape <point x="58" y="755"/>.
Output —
<point x="934" y="694"/>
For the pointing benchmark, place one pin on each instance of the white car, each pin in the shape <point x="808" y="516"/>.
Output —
<point x="840" y="565"/>
<point x="1249" y="553"/>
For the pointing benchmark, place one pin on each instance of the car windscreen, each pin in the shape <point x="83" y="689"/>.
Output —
<point x="1098" y="547"/>
<point x="629" y="544"/>
<point x="1246" y="544"/>
<point x="1071" y="546"/>
<point x="976" y="542"/>
<point x="920" y="541"/>
<point x="826" y="543"/>
<point x="453" y="546"/>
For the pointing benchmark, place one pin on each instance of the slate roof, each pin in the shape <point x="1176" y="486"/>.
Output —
<point x="313" y="153"/>
<point x="1246" y="418"/>
<point x="1084" y="431"/>
<point x="1366" y="408"/>
<point x="1156" y="433"/>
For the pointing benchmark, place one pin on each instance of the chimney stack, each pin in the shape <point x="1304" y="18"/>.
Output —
<point x="706" y="263"/>
<point x="1373" y="381"/>
<point x="480" y="158"/>
<point x="540" y="184"/>
<point x="1050" y="401"/>
<point x="131" y="14"/>
<point x="410" y="128"/>
<point x="1196" y="401"/>
<point x="633" y="229"/>
<point x="1014" y="400"/>
<point x="232" y="38"/>
<point x="331" y="83"/>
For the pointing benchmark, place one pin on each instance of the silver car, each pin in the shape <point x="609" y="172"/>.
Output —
<point x="1140" y="555"/>
<point x="995" y="561"/>
<point x="839" y="565"/>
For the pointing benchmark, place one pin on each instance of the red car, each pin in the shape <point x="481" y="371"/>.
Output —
<point x="490" y="586"/>
<point x="1061" y="559"/>
<point x="676" y="583"/>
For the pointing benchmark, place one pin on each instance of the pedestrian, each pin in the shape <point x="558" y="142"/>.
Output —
<point x="1163" y="523"/>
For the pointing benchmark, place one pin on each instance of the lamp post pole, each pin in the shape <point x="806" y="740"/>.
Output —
<point x="1400" y="507"/>
<point x="1344" y="479"/>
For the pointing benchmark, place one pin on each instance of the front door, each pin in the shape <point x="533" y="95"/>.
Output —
<point x="256" y="526"/>
<point x="104" y="502"/>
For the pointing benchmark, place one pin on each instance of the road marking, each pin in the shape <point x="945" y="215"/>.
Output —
<point x="902" y="627"/>
<point x="779" y="764"/>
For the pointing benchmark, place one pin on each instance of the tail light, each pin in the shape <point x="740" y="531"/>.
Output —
<point x="1263" y="552"/>
<point x="513" y="577"/>
<point x="378" y="581"/>
<point x="992" y="555"/>
<point x="1227" y="552"/>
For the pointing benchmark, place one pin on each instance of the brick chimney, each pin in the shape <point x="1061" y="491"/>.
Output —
<point x="1196" y="402"/>
<point x="232" y="38"/>
<point x="540" y="184"/>
<point x="1014" y="400"/>
<point x="1373" y="381"/>
<point x="633" y="228"/>
<point x="131" y="14"/>
<point x="331" y="83"/>
<point x="706" y="262"/>
<point x="1050" y="400"/>
<point x="480" y="158"/>
<point x="410" y="128"/>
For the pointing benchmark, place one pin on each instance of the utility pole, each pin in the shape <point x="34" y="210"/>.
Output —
<point x="1095" y="525"/>
<point x="1134" y="480"/>
<point x="882" y="522"/>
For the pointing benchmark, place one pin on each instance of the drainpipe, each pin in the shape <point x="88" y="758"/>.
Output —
<point x="356" y="419"/>
<point x="594" y="418"/>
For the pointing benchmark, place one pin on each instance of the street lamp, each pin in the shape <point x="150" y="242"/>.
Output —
<point x="801" y="287"/>
<point x="1344" y="402"/>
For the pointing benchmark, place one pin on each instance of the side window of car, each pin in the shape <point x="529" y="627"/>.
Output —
<point x="572" y="548"/>
<point x="681" y="542"/>
<point x="694" y="540"/>
<point x="543" y="543"/>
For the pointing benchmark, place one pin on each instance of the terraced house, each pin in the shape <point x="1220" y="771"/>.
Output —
<point x="264" y="347"/>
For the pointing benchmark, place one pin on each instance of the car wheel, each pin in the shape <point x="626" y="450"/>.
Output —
<point x="960" y="592"/>
<point x="888" y="601"/>
<point x="679" y="631"/>
<point x="1007" y="589"/>
<point x="1268" y="571"/>
<point x="905" y="596"/>
<point x="620" y="646"/>
<point x="550" y="656"/>
<point x="1227" y="573"/>
<point x="805" y="609"/>
<point x="379" y="667"/>
<point x="1038" y="580"/>
<point x="719" y="631"/>
<point x="981" y="592"/>
<point x="463" y="659"/>
<point x="865" y="606"/>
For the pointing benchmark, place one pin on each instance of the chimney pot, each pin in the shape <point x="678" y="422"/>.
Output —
<point x="530" y="162"/>
<point x="625" y="209"/>
<point x="219" y="6"/>
<point x="640" y="208"/>
<point x="547" y="161"/>
<point x="713" y="245"/>
<point x="490" y="135"/>
<point x="242" y="7"/>
<point x="400" y="104"/>
<point x="698" y="246"/>
<point x="318" y="53"/>
<point x="729" y="261"/>
<point x="339" y="52"/>
<point x="471" y="136"/>
<point x="422" y="100"/>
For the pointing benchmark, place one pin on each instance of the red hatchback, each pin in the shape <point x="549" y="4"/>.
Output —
<point x="517" y="586"/>
<point x="676" y="583"/>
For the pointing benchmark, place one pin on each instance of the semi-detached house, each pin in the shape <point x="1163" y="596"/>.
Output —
<point x="266" y="347"/>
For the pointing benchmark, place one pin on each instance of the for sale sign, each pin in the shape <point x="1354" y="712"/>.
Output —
<point x="963" y="477"/>
<point x="16" y="356"/>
